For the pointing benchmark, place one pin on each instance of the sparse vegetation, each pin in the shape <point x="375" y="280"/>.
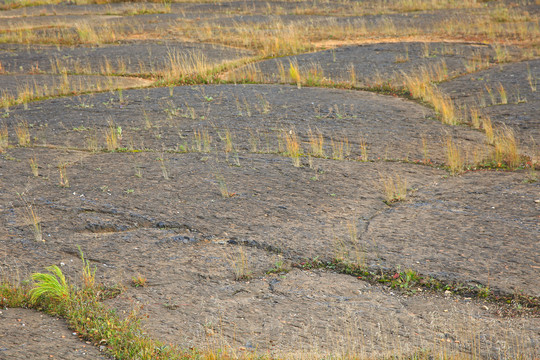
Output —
<point x="22" y="132"/>
<point x="32" y="218"/>
<point x="394" y="187"/>
<point x="240" y="264"/>
<point x="219" y="111"/>
<point x="454" y="157"/>
<point x="138" y="281"/>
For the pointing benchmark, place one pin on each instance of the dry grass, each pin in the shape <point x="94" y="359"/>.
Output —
<point x="294" y="73"/>
<point x="240" y="264"/>
<point x="394" y="188"/>
<point x="77" y="33"/>
<point x="421" y="86"/>
<point x="63" y="181"/>
<point x="22" y="132"/>
<point x="294" y="150"/>
<point x="506" y="148"/>
<point x="4" y="138"/>
<point x="363" y="150"/>
<point x="111" y="136"/>
<point x="32" y="218"/>
<point x="316" y="144"/>
<point x="488" y="129"/>
<point x="34" y="166"/>
<point x="202" y="141"/>
<point x="454" y="157"/>
<point x="340" y="148"/>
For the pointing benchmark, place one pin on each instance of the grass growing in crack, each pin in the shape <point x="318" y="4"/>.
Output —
<point x="394" y="188"/>
<point x="227" y="140"/>
<point x="64" y="181"/>
<point x="316" y="143"/>
<point x="34" y="166"/>
<point x="88" y="272"/>
<point x="224" y="191"/>
<point x="202" y="141"/>
<point x="454" y="158"/>
<point x="340" y="148"/>
<point x="52" y="285"/>
<point x="85" y="313"/>
<point x="506" y="148"/>
<point x="4" y="138"/>
<point x="502" y="94"/>
<point x="164" y="171"/>
<point x="240" y="264"/>
<point x="364" y="152"/>
<point x="294" y="150"/>
<point x="294" y="73"/>
<point x="488" y="129"/>
<point x="475" y="118"/>
<point x="410" y="281"/>
<point x="32" y="218"/>
<point x="138" y="281"/>
<point x="22" y="132"/>
<point x="531" y="79"/>
<point x="112" y="136"/>
<point x="425" y="151"/>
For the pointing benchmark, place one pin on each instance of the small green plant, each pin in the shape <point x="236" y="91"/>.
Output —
<point x="279" y="267"/>
<point x="405" y="279"/>
<point x="483" y="291"/>
<point x="52" y="285"/>
<point x="138" y="281"/>
<point x="88" y="272"/>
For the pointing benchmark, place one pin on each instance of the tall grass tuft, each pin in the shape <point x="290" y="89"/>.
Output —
<point x="53" y="285"/>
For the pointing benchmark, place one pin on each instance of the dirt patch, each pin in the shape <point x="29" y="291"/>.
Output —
<point x="32" y="335"/>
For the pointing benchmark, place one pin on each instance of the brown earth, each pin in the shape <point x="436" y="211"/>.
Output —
<point x="28" y="334"/>
<point x="201" y="180"/>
